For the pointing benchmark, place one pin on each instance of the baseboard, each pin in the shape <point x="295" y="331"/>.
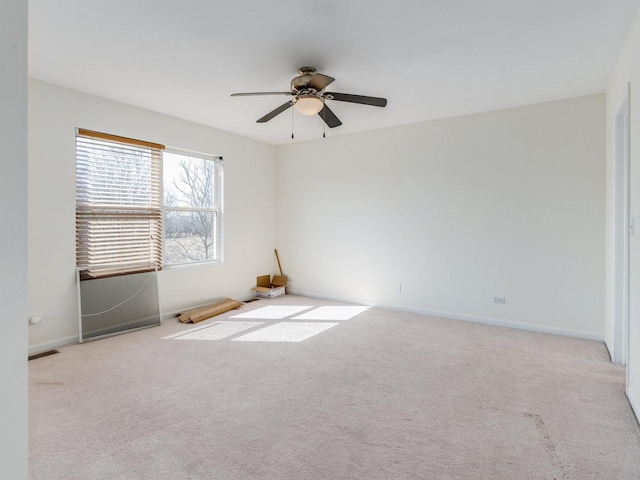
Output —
<point x="244" y="298"/>
<point x="609" y="351"/>
<point x="43" y="347"/>
<point x="635" y="403"/>
<point x="463" y="317"/>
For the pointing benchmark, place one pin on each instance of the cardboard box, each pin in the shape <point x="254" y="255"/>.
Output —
<point x="270" y="288"/>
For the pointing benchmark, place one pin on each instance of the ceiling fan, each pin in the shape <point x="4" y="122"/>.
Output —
<point x="309" y="97"/>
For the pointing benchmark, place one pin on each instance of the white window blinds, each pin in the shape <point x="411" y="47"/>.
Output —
<point x="118" y="205"/>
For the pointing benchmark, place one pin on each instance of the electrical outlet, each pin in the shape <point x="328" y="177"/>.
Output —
<point x="500" y="300"/>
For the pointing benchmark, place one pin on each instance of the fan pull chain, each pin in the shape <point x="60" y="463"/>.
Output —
<point x="292" y="124"/>
<point x="324" y="123"/>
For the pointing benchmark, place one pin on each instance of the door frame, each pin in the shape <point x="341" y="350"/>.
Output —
<point x="623" y="228"/>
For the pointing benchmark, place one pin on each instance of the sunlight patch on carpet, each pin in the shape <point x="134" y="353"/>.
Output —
<point x="285" y="332"/>
<point x="332" y="313"/>
<point x="217" y="331"/>
<point x="272" y="312"/>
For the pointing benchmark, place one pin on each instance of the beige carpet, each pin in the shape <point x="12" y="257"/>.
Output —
<point x="382" y="395"/>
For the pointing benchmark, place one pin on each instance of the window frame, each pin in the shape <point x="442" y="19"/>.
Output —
<point x="217" y="208"/>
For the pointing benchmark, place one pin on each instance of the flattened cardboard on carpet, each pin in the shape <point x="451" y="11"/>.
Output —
<point x="270" y="288"/>
<point x="202" y="313"/>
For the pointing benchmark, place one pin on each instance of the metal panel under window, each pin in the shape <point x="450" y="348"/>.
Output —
<point x="113" y="305"/>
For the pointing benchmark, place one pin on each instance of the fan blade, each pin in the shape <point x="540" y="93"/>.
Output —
<point x="347" y="97"/>
<point x="259" y="93"/>
<point x="275" y="112"/>
<point x="320" y="82"/>
<point x="329" y="117"/>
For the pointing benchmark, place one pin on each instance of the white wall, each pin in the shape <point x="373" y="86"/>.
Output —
<point x="249" y="223"/>
<point x="627" y="70"/>
<point x="13" y="239"/>
<point x="507" y="203"/>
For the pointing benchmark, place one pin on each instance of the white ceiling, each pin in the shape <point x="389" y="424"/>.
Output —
<point x="429" y="58"/>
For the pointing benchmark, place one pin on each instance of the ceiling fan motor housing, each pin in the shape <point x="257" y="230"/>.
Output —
<point x="302" y="82"/>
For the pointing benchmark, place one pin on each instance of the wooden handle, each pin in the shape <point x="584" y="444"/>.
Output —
<point x="278" y="258"/>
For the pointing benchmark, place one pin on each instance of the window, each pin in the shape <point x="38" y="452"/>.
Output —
<point x="118" y="205"/>
<point x="123" y="206"/>
<point x="192" y="196"/>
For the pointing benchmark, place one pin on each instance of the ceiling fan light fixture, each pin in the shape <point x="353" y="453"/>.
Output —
<point x="309" y="105"/>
